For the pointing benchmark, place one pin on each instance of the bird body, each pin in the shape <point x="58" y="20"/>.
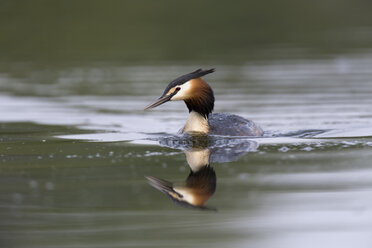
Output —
<point x="199" y="99"/>
<point x="232" y="125"/>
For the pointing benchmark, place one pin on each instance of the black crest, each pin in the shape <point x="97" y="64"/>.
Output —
<point x="187" y="77"/>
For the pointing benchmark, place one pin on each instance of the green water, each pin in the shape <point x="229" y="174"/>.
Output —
<point x="76" y="146"/>
<point x="62" y="193"/>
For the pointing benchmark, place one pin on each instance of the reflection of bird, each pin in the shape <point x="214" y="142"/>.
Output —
<point x="199" y="99"/>
<point x="199" y="186"/>
<point x="194" y="192"/>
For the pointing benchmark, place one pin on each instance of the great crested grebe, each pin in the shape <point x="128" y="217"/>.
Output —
<point x="199" y="99"/>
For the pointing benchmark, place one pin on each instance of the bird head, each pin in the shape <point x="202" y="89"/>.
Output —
<point x="196" y="93"/>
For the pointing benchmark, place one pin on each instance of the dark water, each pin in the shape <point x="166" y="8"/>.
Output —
<point x="82" y="165"/>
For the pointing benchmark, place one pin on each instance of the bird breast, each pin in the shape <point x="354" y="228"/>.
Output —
<point x="196" y="123"/>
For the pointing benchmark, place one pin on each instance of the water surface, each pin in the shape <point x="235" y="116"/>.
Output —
<point x="74" y="164"/>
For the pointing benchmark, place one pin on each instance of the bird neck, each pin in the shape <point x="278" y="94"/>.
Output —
<point x="202" y="99"/>
<point x="196" y="123"/>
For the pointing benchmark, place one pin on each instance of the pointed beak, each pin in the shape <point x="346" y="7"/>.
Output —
<point x="160" y="101"/>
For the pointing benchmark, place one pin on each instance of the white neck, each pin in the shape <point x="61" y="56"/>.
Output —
<point x="197" y="158"/>
<point x="196" y="123"/>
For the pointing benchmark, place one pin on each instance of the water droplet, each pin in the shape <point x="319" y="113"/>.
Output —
<point x="17" y="198"/>
<point x="49" y="186"/>
<point x="33" y="184"/>
<point x="283" y="149"/>
<point x="243" y="176"/>
<point x="307" y="148"/>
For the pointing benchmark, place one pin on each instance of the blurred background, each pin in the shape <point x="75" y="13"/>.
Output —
<point x="42" y="41"/>
<point x="83" y="43"/>
<point x="76" y="143"/>
<point x="134" y="32"/>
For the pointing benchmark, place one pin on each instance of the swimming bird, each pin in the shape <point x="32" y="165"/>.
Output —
<point x="199" y="99"/>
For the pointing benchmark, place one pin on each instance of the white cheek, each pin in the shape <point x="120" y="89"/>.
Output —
<point x="187" y="196"/>
<point x="183" y="93"/>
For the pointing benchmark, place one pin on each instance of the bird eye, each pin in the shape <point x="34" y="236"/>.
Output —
<point x="178" y="88"/>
